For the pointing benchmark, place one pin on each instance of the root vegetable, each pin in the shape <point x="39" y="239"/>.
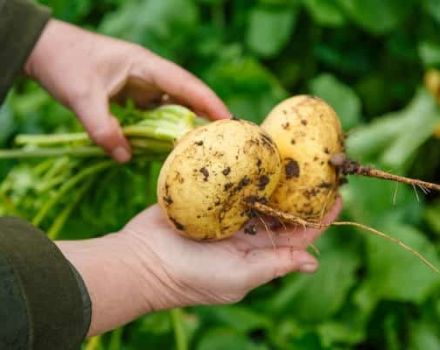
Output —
<point x="307" y="132"/>
<point x="310" y="140"/>
<point x="214" y="172"/>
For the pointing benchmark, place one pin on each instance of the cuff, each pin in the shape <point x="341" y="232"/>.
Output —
<point x="56" y="300"/>
<point x="21" y="23"/>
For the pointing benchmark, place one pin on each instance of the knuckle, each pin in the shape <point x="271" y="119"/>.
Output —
<point x="78" y="93"/>
<point x="103" y="134"/>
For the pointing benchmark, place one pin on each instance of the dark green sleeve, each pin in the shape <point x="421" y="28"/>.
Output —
<point x="21" y="23"/>
<point x="43" y="301"/>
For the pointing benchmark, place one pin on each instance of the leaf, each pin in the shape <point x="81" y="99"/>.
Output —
<point x="395" y="274"/>
<point x="249" y="89"/>
<point x="432" y="8"/>
<point x="7" y="124"/>
<point x="395" y="137"/>
<point x="419" y="127"/>
<point x="226" y="339"/>
<point x="424" y="336"/>
<point x="429" y="52"/>
<point x="318" y="296"/>
<point x="377" y="16"/>
<point x="432" y="217"/>
<point x="269" y="29"/>
<point x="152" y="23"/>
<point x="239" y="318"/>
<point x="325" y="12"/>
<point x="340" y="96"/>
<point x="371" y="201"/>
<point x="338" y="332"/>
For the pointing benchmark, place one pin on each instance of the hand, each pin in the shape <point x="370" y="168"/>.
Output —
<point x="148" y="266"/>
<point x="192" y="272"/>
<point x="83" y="70"/>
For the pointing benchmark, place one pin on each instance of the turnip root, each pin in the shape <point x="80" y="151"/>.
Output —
<point x="214" y="174"/>
<point x="307" y="132"/>
<point x="310" y="141"/>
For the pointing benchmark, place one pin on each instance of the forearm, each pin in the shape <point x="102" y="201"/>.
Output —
<point x="122" y="284"/>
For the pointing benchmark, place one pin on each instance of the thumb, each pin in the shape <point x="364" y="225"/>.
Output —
<point x="270" y="263"/>
<point x="102" y="127"/>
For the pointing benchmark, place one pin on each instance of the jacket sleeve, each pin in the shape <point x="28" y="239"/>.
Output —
<point x="21" y="23"/>
<point x="43" y="301"/>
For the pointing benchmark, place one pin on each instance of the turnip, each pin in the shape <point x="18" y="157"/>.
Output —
<point x="310" y="140"/>
<point x="219" y="176"/>
<point x="307" y="133"/>
<point x="212" y="176"/>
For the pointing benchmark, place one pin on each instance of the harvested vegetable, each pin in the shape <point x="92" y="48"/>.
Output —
<point x="310" y="140"/>
<point x="213" y="174"/>
<point x="307" y="132"/>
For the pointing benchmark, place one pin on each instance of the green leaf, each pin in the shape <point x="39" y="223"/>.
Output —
<point x="370" y="201"/>
<point x="269" y="29"/>
<point x="424" y="336"/>
<point x="432" y="7"/>
<point x="377" y="16"/>
<point x="325" y="12"/>
<point x="240" y="318"/>
<point x="152" y="23"/>
<point x="319" y="296"/>
<point x="249" y="89"/>
<point x="338" y="332"/>
<point x="432" y="216"/>
<point x="226" y="339"/>
<point x="395" y="137"/>
<point x="7" y="124"/>
<point x="429" y="52"/>
<point x="340" y="96"/>
<point x="394" y="273"/>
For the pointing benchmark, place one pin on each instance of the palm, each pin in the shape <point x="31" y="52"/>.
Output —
<point x="224" y="271"/>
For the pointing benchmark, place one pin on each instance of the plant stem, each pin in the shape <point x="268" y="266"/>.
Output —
<point x="51" y="152"/>
<point x="179" y="332"/>
<point x="141" y="149"/>
<point x="67" y="186"/>
<point x="115" y="339"/>
<point x="158" y="130"/>
<point x="51" y="139"/>
<point x="61" y="219"/>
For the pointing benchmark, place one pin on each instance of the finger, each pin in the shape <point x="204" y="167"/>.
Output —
<point x="103" y="128"/>
<point x="264" y="265"/>
<point x="183" y="86"/>
<point x="293" y="236"/>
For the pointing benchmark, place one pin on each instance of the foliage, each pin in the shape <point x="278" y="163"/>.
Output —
<point x="367" y="58"/>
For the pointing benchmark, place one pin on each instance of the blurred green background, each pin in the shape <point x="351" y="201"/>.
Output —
<point x="368" y="60"/>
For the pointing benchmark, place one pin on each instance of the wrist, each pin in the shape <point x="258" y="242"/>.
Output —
<point x="122" y="280"/>
<point x="38" y="49"/>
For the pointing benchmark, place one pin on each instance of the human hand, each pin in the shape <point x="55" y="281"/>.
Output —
<point x="188" y="272"/>
<point x="148" y="266"/>
<point x="84" y="70"/>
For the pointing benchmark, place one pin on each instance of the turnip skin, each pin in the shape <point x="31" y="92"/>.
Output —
<point x="212" y="173"/>
<point x="307" y="133"/>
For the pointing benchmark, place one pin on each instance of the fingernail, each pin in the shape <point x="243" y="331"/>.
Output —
<point x="121" y="154"/>
<point x="308" y="267"/>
